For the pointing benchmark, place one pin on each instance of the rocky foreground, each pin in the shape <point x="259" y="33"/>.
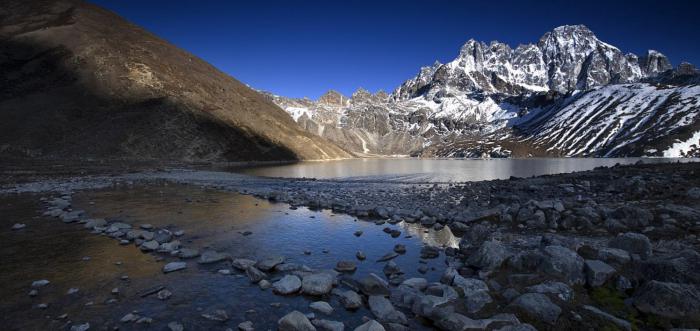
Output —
<point x="612" y="248"/>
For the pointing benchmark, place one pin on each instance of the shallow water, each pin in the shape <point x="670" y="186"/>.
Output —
<point x="210" y="219"/>
<point x="439" y="170"/>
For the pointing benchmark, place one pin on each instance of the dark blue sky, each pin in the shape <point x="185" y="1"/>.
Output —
<point x="305" y="48"/>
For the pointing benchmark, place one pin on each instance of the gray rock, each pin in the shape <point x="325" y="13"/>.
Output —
<point x="174" y="266"/>
<point x="175" y="326"/>
<point x="322" y="307"/>
<point x="429" y="252"/>
<point x="370" y="325"/>
<point x="149" y="246"/>
<point x="374" y="285"/>
<point x="40" y="283"/>
<point x="562" y="262"/>
<point x="391" y="268"/>
<point x="242" y="264"/>
<point x="246" y="326"/>
<point x="80" y="327"/>
<point x="490" y="255"/>
<point x="295" y="321"/>
<point x="264" y="284"/>
<point x="317" y="284"/>
<point x="670" y="300"/>
<point x="620" y="323"/>
<point x="208" y="257"/>
<point x="634" y="243"/>
<point x="289" y="284"/>
<point x="218" y="315"/>
<point x="519" y="327"/>
<point x="162" y="236"/>
<point x="345" y="266"/>
<point x="387" y="257"/>
<point x="164" y="294"/>
<point x="269" y="263"/>
<point x="350" y="300"/>
<point x="255" y="274"/>
<point x="475" y="292"/>
<point x="385" y="311"/>
<point x="360" y="255"/>
<point x="328" y="325"/>
<point x="537" y="306"/>
<point x="561" y="290"/>
<point x="417" y="283"/>
<point x="676" y="267"/>
<point x="614" y="255"/>
<point x="188" y="253"/>
<point x="18" y="226"/>
<point x="598" y="272"/>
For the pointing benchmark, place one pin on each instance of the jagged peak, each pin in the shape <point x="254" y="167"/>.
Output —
<point x="333" y="97"/>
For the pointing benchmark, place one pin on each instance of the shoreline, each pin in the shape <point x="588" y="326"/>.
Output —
<point x="586" y="232"/>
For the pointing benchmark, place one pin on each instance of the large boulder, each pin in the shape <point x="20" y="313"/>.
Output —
<point x="475" y="292"/>
<point x="374" y="285"/>
<point x="564" y="263"/>
<point x="559" y="289"/>
<point x="537" y="307"/>
<point x="385" y="312"/>
<point x="633" y="243"/>
<point x="598" y="272"/>
<point x="670" y="300"/>
<point x="490" y="255"/>
<point x="680" y="267"/>
<point x="370" y="325"/>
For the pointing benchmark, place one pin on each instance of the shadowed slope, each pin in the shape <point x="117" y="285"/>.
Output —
<point x="77" y="80"/>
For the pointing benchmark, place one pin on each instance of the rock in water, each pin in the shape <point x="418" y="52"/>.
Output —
<point x="374" y="285"/>
<point x="254" y="274"/>
<point x="321" y="306"/>
<point x="345" y="266"/>
<point x="174" y="266"/>
<point x="289" y="284"/>
<point x="295" y="321"/>
<point x="328" y="325"/>
<point x="350" y="300"/>
<point x="209" y="257"/>
<point x="269" y="263"/>
<point x="317" y="284"/>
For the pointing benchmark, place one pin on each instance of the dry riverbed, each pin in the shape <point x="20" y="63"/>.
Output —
<point x="610" y="248"/>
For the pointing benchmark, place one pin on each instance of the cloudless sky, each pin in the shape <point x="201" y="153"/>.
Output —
<point x="304" y="48"/>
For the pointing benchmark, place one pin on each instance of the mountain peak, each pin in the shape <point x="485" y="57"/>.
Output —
<point x="333" y="97"/>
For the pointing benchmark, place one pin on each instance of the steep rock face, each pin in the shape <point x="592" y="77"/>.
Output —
<point x="79" y="81"/>
<point x="568" y="94"/>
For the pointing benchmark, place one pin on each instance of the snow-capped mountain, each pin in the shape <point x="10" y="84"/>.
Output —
<point x="569" y="94"/>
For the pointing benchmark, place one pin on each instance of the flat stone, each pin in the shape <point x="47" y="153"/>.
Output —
<point x="295" y="321"/>
<point x="289" y="284"/>
<point x="345" y="266"/>
<point x="218" y="315"/>
<point x="174" y="266"/>
<point x="175" y="326"/>
<point x="149" y="246"/>
<point x="388" y="256"/>
<point x="208" y="257"/>
<point x="269" y="263"/>
<point x="246" y="326"/>
<point x="18" y="226"/>
<point x="40" y="283"/>
<point x="417" y="283"/>
<point x="80" y="327"/>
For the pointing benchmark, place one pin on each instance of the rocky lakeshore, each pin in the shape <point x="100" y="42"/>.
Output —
<point x="612" y="248"/>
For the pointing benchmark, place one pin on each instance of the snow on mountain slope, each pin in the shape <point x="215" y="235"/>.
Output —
<point x="615" y="120"/>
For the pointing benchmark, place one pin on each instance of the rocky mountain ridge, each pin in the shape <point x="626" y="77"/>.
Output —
<point x="494" y="101"/>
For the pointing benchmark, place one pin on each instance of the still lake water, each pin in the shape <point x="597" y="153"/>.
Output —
<point x="440" y="170"/>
